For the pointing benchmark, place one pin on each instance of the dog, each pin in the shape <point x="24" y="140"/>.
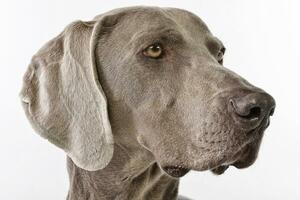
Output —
<point x="137" y="98"/>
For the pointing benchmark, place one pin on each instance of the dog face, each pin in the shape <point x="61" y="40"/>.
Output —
<point x="161" y="71"/>
<point x="169" y="73"/>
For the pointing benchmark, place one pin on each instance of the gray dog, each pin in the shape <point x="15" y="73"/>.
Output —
<point x="137" y="98"/>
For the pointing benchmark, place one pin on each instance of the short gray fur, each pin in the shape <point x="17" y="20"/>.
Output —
<point x="122" y="117"/>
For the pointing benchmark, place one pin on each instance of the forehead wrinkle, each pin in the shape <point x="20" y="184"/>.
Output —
<point x="192" y="27"/>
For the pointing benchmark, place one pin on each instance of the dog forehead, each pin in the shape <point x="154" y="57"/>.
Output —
<point x="148" y="17"/>
<point x="184" y="17"/>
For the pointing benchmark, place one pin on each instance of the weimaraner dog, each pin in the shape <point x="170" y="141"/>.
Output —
<point x="137" y="98"/>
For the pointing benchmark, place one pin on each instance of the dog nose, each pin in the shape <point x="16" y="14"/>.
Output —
<point x="252" y="108"/>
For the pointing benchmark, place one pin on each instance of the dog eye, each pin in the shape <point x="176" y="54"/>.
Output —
<point x="221" y="55"/>
<point x="153" y="51"/>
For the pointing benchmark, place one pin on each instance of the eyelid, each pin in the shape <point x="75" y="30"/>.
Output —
<point x="163" y="40"/>
<point x="153" y="42"/>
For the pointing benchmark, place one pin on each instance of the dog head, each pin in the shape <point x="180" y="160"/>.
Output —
<point x="156" y="72"/>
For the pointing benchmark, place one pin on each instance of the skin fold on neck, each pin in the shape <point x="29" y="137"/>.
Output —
<point x="114" y="183"/>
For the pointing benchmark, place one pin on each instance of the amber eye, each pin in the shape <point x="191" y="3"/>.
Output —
<point x="153" y="51"/>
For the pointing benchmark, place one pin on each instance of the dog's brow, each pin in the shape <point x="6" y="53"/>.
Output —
<point x="156" y="33"/>
<point x="214" y="44"/>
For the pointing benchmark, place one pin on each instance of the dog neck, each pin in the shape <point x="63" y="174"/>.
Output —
<point x="122" y="179"/>
<point x="132" y="174"/>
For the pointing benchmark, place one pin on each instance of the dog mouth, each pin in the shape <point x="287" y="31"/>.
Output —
<point x="245" y="161"/>
<point x="246" y="156"/>
<point x="176" y="171"/>
<point x="242" y="157"/>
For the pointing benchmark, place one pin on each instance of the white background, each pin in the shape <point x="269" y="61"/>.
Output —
<point x="262" y="40"/>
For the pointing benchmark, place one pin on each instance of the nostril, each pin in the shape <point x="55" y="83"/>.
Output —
<point x="254" y="113"/>
<point x="246" y="111"/>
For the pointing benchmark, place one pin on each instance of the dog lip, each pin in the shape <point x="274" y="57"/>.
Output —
<point x="176" y="171"/>
<point x="246" y="159"/>
<point x="240" y="158"/>
<point x="220" y="169"/>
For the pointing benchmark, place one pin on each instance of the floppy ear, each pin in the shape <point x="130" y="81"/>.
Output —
<point x="63" y="98"/>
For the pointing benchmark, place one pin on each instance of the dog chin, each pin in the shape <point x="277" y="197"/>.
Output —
<point x="176" y="171"/>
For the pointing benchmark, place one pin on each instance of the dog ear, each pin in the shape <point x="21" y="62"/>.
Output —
<point x="63" y="98"/>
